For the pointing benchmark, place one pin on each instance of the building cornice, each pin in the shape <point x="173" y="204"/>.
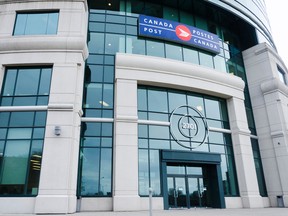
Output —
<point x="149" y="70"/>
<point x="20" y="44"/>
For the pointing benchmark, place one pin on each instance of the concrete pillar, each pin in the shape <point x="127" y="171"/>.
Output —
<point x="58" y="179"/>
<point x="246" y="173"/>
<point x="269" y="97"/>
<point x="125" y="191"/>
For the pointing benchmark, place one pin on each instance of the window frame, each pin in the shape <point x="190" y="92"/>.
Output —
<point x="282" y="75"/>
<point x="33" y="12"/>
<point x="40" y="85"/>
<point x="32" y="167"/>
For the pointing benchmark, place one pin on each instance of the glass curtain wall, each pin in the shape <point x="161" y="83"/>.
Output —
<point x="156" y="104"/>
<point x="95" y="160"/>
<point x="22" y="133"/>
<point x="113" y="28"/>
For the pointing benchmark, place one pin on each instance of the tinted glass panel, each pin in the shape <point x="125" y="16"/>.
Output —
<point x="21" y="144"/>
<point x="30" y="76"/>
<point x="16" y="91"/>
<point x="36" y="23"/>
<point x="95" y="170"/>
<point x="153" y="138"/>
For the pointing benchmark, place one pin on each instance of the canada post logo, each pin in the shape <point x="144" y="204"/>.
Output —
<point x="177" y="32"/>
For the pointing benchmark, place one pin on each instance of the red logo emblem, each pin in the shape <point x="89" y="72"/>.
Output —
<point x="183" y="33"/>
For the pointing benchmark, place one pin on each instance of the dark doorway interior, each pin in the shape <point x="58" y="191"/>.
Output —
<point x="191" y="179"/>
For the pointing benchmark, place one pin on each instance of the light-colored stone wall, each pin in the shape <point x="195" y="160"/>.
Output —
<point x="132" y="70"/>
<point x="66" y="53"/>
<point x="269" y="98"/>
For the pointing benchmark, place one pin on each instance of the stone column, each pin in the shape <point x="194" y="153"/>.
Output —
<point x="58" y="179"/>
<point x="125" y="191"/>
<point x="246" y="173"/>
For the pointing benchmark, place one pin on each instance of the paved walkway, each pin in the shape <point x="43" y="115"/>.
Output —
<point x="185" y="212"/>
<point x="198" y="212"/>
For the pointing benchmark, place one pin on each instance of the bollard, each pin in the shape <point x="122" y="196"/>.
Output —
<point x="150" y="201"/>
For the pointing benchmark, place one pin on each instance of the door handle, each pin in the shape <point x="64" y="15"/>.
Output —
<point x="175" y="193"/>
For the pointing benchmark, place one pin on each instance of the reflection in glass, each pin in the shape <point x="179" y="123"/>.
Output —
<point x="191" y="55"/>
<point x="176" y="170"/>
<point x="206" y="60"/>
<point x="155" y="49"/>
<point x="16" y="92"/>
<point x="21" y="146"/>
<point x="90" y="171"/>
<point x="36" y="23"/>
<point x="114" y="43"/>
<point x="95" y="169"/>
<point x="143" y="172"/>
<point x="212" y="109"/>
<point x="96" y="43"/>
<point x="135" y="45"/>
<point x="159" y="137"/>
<point x="155" y="172"/>
<point x="157" y="101"/>
<point x="106" y="172"/>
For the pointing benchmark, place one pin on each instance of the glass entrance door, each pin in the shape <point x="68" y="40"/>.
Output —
<point x="186" y="186"/>
<point x="177" y="194"/>
<point x="197" y="192"/>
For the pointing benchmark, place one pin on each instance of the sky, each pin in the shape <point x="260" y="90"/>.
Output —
<point x="278" y="17"/>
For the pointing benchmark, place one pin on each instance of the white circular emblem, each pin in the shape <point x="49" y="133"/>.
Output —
<point x="188" y="127"/>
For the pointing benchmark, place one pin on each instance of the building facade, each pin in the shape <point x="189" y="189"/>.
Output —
<point x="101" y="101"/>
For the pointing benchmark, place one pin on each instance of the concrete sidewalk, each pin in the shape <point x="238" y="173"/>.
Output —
<point x="185" y="212"/>
<point x="198" y="212"/>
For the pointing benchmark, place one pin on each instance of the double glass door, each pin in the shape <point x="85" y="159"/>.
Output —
<point x="186" y="191"/>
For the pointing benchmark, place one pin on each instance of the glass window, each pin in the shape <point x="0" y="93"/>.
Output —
<point x="115" y="28"/>
<point x="90" y="171"/>
<point x="259" y="168"/>
<point x="15" y="163"/>
<point x="176" y="100"/>
<point x="201" y="23"/>
<point x="143" y="173"/>
<point x="153" y="138"/>
<point x="176" y="170"/>
<point x="155" y="172"/>
<point x="114" y="43"/>
<point x="95" y="179"/>
<point x="152" y="9"/>
<point x="155" y="49"/>
<point x="191" y="55"/>
<point x="186" y="18"/>
<point x="108" y="91"/>
<point x="142" y="99"/>
<point x="212" y="109"/>
<point x="108" y="74"/>
<point x="170" y="14"/>
<point x="159" y="132"/>
<point x="45" y="23"/>
<point x="173" y="52"/>
<point x="93" y="96"/>
<point x="96" y="43"/>
<point x="135" y="45"/>
<point x="16" y="92"/>
<point x="157" y="101"/>
<point x="21" y="147"/>
<point x="220" y="64"/>
<point x="281" y="75"/>
<point x="206" y="59"/>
